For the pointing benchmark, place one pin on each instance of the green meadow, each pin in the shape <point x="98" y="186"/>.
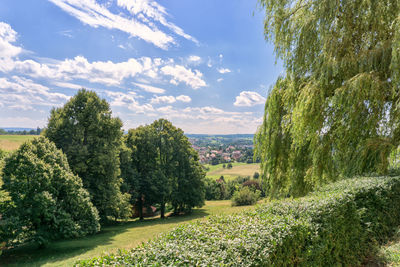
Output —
<point x="122" y="235"/>
<point x="238" y="169"/>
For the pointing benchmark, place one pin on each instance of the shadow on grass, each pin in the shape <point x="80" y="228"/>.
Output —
<point x="30" y="255"/>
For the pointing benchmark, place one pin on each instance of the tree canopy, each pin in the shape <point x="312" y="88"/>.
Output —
<point x="47" y="201"/>
<point x="91" y="138"/>
<point x="165" y="168"/>
<point x="335" y="111"/>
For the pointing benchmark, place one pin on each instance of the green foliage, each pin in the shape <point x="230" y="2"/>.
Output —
<point x="335" y="113"/>
<point x="3" y="154"/>
<point x="84" y="129"/>
<point x="245" y="196"/>
<point x="212" y="189"/>
<point x="164" y="168"/>
<point x="337" y="226"/>
<point x="47" y="201"/>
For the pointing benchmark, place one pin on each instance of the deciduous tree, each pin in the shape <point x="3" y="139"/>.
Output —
<point x="336" y="111"/>
<point x="48" y="201"/>
<point x="91" y="138"/>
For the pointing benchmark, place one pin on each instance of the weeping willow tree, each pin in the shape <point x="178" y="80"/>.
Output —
<point x="335" y="112"/>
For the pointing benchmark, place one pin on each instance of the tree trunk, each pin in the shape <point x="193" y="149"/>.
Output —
<point x="162" y="209"/>
<point x="140" y="207"/>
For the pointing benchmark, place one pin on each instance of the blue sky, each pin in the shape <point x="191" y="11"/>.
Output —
<point x="203" y="64"/>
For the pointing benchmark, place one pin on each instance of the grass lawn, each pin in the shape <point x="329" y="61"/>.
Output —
<point x="238" y="169"/>
<point x="12" y="142"/>
<point x="388" y="254"/>
<point x="123" y="235"/>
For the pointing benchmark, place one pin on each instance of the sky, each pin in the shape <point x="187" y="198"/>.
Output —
<point x="202" y="64"/>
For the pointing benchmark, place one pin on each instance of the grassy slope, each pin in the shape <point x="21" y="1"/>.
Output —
<point x="238" y="169"/>
<point x="122" y="236"/>
<point x="12" y="142"/>
<point x="388" y="254"/>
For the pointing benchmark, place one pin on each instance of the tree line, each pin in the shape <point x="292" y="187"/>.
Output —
<point x="24" y="132"/>
<point x="83" y="172"/>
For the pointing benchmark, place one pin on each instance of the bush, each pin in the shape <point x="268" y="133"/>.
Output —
<point x="253" y="185"/>
<point x="212" y="191"/>
<point x="337" y="226"/>
<point x="245" y="196"/>
<point x="48" y="201"/>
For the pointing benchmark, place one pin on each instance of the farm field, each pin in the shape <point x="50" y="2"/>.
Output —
<point x="238" y="169"/>
<point x="124" y="235"/>
<point x="12" y="142"/>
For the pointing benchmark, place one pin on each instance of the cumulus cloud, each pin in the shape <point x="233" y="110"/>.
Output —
<point x="249" y="99"/>
<point x="181" y="74"/>
<point x="141" y="25"/>
<point x="7" y="37"/>
<point x="209" y="119"/>
<point x="163" y="99"/>
<point x="220" y="80"/>
<point x="170" y="99"/>
<point x="21" y="93"/>
<point x="223" y="70"/>
<point x="184" y="98"/>
<point x="129" y="101"/>
<point x="104" y="72"/>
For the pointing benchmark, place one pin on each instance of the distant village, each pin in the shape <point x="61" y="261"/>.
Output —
<point x="214" y="150"/>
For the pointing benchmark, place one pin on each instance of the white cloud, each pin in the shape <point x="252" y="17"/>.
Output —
<point x="184" y="98"/>
<point x="194" y="59"/>
<point x="210" y="119"/>
<point x="141" y="25"/>
<point x="163" y="99"/>
<point x="8" y="36"/>
<point x="104" y="72"/>
<point x="150" y="89"/>
<point x="21" y="93"/>
<point x="223" y="70"/>
<point x="68" y="85"/>
<point x="220" y="80"/>
<point x="147" y="10"/>
<point x="170" y="99"/>
<point x="128" y="100"/>
<point x="182" y="74"/>
<point x="249" y="99"/>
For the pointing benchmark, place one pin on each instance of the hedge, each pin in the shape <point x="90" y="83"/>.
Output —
<point x="337" y="226"/>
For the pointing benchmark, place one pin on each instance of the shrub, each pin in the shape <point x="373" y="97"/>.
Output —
<point x="336" y="226"/>
<point x="48" y="200"/>
<point x="245" y="196"/>
<point x="253" y="185"/>
<point x="3" y="154"/>
<point x="212" y="191"/>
